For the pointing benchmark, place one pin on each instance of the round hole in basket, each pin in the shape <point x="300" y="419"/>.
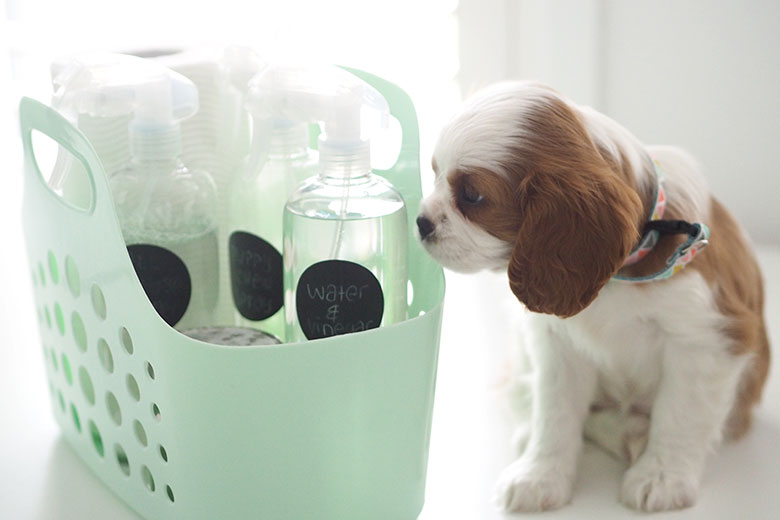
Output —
<point x="140" y="433"/>
<point x="66" y="369"/>
<point x="48" y="316"/>
<point x="41" y="275"/>
<point x="132" y="387"/>
<point x="79" y="332"/>
<point x="72" y="275"/>
<point x="98" y="302"/>
<point x="156" y="412"/>
<point x="122" y="460"/>
<point x="97" y="440"/>
<point x="150" y="370"/>
<point x="104" y="353"/>
<point x="147" y="478"/>
<point x="61" y="399"/>
<point x="59" y="318"/>
<point x="163" y="453"/>
<point x="53" y="272"/>
<point x="75" y="414"/>
<point x="54" y="361"/>
<point x="126" y="340"/>
<point x="169" y="492"/>
<point x="113" y="408"/>
<point x="86" y="385"/>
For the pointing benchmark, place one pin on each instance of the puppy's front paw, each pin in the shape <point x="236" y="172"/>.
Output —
<point x="526" y="486"/>
<point x="651" y="486"/>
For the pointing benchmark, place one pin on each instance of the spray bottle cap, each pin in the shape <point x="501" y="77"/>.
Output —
<point x="240" y="64"/>
<point x="111" y="85"/>
<point x="345" y="106"/>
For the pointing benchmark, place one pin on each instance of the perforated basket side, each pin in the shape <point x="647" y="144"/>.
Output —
<point x="101" y="334"/>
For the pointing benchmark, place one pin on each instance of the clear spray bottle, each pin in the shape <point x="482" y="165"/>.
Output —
<point x="345" y="229"/>
<point x="278" y="161"/>
<point x="75" y="81"/>
<point x="167" y="212"/>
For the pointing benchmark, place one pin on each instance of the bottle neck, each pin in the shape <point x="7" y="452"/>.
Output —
<point x="344" y="161"/>
<point x="156" y="149"/>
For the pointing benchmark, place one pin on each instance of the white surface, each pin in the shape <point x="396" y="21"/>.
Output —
<point x="42" y="479"/>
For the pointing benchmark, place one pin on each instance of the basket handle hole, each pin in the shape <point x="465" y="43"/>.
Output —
<point x="63" y="173"/>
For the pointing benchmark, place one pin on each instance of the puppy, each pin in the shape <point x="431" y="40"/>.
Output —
<point x="638" y="335"/>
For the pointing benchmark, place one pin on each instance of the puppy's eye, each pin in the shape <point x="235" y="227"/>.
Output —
<point x="469" y="195"/>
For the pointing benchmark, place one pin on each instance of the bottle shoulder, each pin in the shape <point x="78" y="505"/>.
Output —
<point x="179" y="179"/>
<point x="366" y="197"/>
<point x="177" y="203"/>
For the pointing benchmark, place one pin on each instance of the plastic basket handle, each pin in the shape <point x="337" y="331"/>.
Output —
<point x="34" y="115"/>
<point x="405" y="173"/>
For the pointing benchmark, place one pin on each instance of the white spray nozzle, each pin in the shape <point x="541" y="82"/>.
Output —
<point x="112" y="85"/>
<point x="348" y="109"/>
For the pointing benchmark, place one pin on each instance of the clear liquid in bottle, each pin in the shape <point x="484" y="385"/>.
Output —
<point x="357" y="221"/>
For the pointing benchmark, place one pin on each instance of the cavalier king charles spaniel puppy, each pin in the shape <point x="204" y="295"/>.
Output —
<point x="639" y="337"/>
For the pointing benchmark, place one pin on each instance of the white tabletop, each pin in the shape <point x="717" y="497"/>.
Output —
<point x="41" y="478"/>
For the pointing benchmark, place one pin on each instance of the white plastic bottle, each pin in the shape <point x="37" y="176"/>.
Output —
<point x="278" y="163"/>
<point x="345" y="229"/>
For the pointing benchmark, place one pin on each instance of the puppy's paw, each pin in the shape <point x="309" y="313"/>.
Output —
<point x="650" y="486"/>
<point x="526" y="486"/>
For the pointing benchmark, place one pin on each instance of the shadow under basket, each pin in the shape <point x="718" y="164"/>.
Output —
<point x="336" y="428"/>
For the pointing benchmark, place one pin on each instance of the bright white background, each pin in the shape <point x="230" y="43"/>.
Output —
<point x="702" y="74"/>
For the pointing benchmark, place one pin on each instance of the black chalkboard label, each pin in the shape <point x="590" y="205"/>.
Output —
<point x="165" y="280"/>
<point x="255" y="276"/>
<point x="338" y="297"/>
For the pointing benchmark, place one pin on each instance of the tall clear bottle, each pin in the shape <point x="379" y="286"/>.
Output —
<point x="168" y="212"/>
<point x="131" y="110"/>
<point x="168" y="217"/>
<point x="256" y="208"/>
<point x="345" y="229"/>
<point x="357" y="221"/>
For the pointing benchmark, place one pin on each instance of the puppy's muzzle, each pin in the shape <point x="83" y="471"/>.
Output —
<point x="425" y="226"/>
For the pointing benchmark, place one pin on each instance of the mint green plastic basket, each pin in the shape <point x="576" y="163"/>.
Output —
<point x="336" y="428"/>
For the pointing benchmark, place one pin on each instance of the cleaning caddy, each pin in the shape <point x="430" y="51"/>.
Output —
<point x="333" y="428"/>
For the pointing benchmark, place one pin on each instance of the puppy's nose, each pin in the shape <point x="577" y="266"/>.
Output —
<point x="425" y="226"/>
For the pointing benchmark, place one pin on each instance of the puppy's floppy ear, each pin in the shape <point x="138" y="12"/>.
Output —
<point x="579" y="223"/>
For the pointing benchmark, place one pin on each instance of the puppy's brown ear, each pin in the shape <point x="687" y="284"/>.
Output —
<point x="578" y="226"/>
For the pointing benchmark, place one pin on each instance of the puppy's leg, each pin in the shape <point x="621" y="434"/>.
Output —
<point x="564" y="385"/>
<point x="696" y="392"/>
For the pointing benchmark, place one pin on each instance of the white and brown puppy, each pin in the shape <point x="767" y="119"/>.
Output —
<point x="658" y="371"/>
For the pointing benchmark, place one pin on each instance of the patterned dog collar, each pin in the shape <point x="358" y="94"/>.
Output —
<point x="698" y="236"/>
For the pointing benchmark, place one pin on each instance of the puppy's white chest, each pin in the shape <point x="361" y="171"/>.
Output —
<point x="625" y="343"/>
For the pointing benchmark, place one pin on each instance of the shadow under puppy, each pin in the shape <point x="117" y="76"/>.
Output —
<point x="639" y="337"/>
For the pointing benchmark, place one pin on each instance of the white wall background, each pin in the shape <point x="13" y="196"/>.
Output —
<point x="701" y="74"/>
